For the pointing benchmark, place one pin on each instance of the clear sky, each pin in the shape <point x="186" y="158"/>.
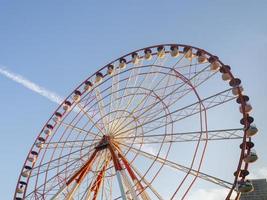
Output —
<point x="57" y="44"/>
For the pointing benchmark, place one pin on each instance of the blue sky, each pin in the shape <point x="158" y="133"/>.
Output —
<point x="57" y="44"/>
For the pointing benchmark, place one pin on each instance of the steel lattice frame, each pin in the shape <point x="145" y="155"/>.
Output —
<point x="115" y="134"/>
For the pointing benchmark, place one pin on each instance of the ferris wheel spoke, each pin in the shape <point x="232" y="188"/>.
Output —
<point x="90" y="118"/>
<point x="143" y="101"/>
<point x="223" y="134"/>
<point x="69" y="144"/>
<point x="190" y="70"/>
<point x="153" y="75"/>
<point x="70" y="163"/>
<point x="182" y="90"/>
<point x="71" y="166"/>
<point x="56" y="182"/>
<point x="79" y="130"/>
<point x="190" y="110"/>
<point x="209" y="102"/>
<point x="51" y="183"/>
<point x="175" y="79"/>
<point x="118" y="104"/>
<point x="182" y="168"/>
<point x="187" y="65"/>
<point x="179" y="83"/>
<point x="191" y="76"/>
<point x="157" y="62"/>
<point x="56" y="160"/>
<point x="133" y="73"/>
<point x="184" y="84"/>
<point x="197" y="80"/>
<point x="178" y="62"/>
<point x="113" y="95"/>
<point x="101" y="108"/>
<point x="128" y="95"/>
<point x="147" y="74"/>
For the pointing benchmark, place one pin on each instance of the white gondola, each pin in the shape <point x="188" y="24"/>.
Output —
<point x="174" y="51"/>
<point x="48" y="129"/>
<point x="122" y="63"/>
<point x="33" y="156"/>
<point x="226" y="77"/>
<point x="247" y="108"/>
<point x="77" y="96"/>
<point x="40" y="142"/>
<point x="40" y="145"/>
<point x="32" y="159"/>
<point x="214" y="63"/>
<point x="135" y="58"/>
<point x="66" y="106"/>
<point x="148" y="54"/>
<point x="245" y="186"/>
<point x="20" y="190"/>
<point x="98" y="77"/>
<point x="235" y="90"/>
<point x="26" y="171"/>
<point x="251" y="131"/>
<point x="215" y="66"/>
<point x="251" y="157"/>
<point x="188" y="53"/>
<point x="57" y="117"/>
<point x="161" y="52"/>
<point x="110" y="70"/>
<point x="87" y="85"/>
<point x="201" y="57"/>
<point x="21" y="187"/>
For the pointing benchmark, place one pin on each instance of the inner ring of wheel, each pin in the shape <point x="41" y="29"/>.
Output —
<point x="137" y="126"/>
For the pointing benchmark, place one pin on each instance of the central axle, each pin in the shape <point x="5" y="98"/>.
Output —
<point x="104" y="142"/>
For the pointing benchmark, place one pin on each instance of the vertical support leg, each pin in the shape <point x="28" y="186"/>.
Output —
<point x="129" y="185"/>
<point x="118" y="168"/>
<point x="140" y="188"/>
<point x="123" y="194"/>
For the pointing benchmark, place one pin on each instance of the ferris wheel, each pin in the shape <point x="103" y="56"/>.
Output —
<point x="153" y="124"/>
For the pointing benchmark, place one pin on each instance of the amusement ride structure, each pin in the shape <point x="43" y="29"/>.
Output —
<point x="143" y="128"/>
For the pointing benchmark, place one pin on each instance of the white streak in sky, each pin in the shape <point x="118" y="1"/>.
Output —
<point x="52" y="96"/>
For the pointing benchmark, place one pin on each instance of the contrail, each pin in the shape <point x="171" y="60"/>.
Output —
<point x="52" y="96"/>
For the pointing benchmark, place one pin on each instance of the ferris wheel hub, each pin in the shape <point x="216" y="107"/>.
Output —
<point x="104" y="142"/>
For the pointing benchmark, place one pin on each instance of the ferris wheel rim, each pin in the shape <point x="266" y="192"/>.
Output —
<point x="242" y="102"/>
